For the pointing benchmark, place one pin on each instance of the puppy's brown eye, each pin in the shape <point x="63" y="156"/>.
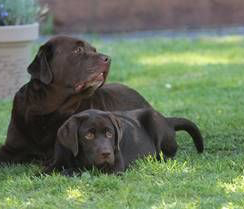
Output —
<point x="109" y="134"/>
<point x="78" y="50"/>
<point x="90" y="136"/>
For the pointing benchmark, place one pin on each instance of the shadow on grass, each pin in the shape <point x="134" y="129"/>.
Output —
<point x="190" y="181"/>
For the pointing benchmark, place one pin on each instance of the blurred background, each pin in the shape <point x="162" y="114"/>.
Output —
<point x="109" y="20"/>
<point x="106" y="16"/>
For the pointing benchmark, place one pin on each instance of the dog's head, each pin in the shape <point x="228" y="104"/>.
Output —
<point x="70" y="63"/>
<point x="95" y="135"/>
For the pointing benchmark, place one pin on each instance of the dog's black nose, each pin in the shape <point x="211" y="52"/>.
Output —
<point x="105" y="154"/>
<point x="105" y="58"/>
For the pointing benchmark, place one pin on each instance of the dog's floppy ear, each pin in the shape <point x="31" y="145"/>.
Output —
<point x="118" y="131"/>
<point x="40" y="67"/>
<point x="68" y="134"/>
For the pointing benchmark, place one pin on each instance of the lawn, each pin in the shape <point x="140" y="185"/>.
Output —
<point x="201" y="79"/>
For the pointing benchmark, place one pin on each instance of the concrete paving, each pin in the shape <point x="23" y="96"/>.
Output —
<point x="171" y="34"/>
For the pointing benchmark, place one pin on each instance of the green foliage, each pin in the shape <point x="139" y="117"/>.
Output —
<point x="18" y="12"/>
<point x="201" y="79"/>
<point x="46" y="27"/>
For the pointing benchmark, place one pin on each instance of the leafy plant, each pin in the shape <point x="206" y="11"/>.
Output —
<point x="19" y="12"/>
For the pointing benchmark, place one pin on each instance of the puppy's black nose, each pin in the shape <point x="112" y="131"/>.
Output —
<point x="105" y="58"/>
<point x="105" y="154"/>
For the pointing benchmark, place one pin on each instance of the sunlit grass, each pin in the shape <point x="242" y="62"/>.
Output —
<point x="189" y="58"/>
<point x="236" y="185"/>
<point x="224" y="40"/>
<point x="76" y="195"/>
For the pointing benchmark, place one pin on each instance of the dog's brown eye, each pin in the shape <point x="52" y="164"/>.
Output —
<point x="109" y="134"/>
<point x="78" y="50"/>
<point x="90" y="136"/>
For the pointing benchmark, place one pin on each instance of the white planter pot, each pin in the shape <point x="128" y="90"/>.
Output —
<point x="15" y="42"/>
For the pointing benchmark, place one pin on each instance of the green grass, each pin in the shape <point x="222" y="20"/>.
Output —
<point x="200" y="79"/>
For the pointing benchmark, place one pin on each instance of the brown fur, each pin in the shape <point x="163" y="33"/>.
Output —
<point x="133" y="134"/>
<point x="67" y="76"/>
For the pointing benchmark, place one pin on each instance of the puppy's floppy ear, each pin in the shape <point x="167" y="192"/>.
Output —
<point x="68" y="135"/>
<point x="118" y="130"/>
<point x="40" y="67"/>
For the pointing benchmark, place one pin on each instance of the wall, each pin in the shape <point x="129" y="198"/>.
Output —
<point x="131" y="15"/>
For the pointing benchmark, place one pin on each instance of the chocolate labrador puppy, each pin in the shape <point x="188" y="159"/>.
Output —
<point x="112" y="140"/>
<point x="67" y="76"/>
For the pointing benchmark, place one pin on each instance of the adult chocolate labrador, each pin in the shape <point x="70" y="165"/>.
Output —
<point x="67" y="76"/>
<point x="111" y="141"/>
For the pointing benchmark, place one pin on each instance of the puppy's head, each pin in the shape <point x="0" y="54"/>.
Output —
<point x="70" y="63"/>
<point x="93" y="134"/>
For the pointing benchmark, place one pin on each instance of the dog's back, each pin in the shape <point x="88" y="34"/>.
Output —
<point x="149" y="132"/>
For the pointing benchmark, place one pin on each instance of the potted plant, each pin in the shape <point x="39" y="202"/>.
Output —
<point x="18" y="28"/>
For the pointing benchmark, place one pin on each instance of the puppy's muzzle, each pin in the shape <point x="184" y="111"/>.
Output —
<point x="105" y="157"/>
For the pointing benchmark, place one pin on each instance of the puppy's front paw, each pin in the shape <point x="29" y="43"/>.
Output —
<point x="69" y="172"/>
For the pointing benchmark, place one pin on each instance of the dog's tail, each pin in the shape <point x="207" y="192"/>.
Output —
<point x="182" y="124"/>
